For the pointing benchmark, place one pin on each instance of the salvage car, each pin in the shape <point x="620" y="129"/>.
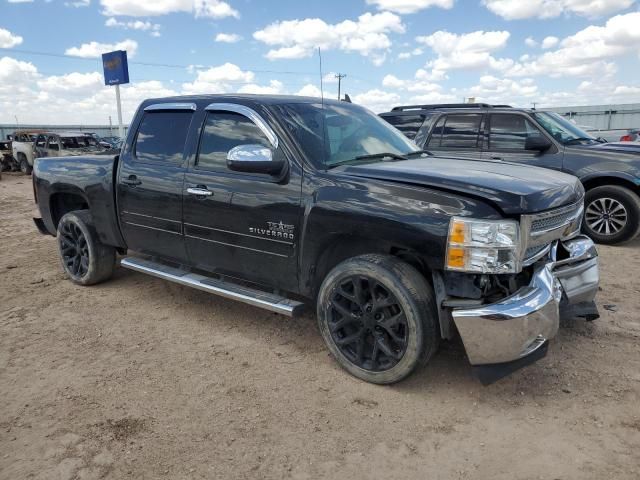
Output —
<point x="281" y="201"/>
<point x="23" y="149"/>
<point x="65" y="144"/>
<point x="6" y="157"/>
<point x="610" y="173"/>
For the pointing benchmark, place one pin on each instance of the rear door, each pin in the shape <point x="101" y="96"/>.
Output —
<point x="150" y="178"/>
<point x="241" y="224"/>
<point x="458" y="134"/>
<point x="52" y="148"/>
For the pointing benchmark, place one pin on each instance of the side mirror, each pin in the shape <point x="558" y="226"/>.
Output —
<point x="537" y="142"/>
<point x="254" y="159"/>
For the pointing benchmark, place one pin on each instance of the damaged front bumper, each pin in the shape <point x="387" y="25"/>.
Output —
<point x="507" y="334"/>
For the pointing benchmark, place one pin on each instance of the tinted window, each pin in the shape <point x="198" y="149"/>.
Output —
<point x="222" y="132"/>
<point x="461" y="131"/>
<point x="41" y="141"/>
<point x="53" y="143"/>
<point x="161" y="136"/>
<point x="407" y="124"/>
<point x="510" y="132"/>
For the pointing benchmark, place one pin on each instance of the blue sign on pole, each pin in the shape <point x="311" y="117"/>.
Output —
<point x="116" y="68"/>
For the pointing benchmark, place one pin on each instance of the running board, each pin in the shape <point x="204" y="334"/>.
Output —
<point x="257" y="298"/>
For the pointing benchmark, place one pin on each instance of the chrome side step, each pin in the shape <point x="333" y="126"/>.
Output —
<point x="257" y="298"/>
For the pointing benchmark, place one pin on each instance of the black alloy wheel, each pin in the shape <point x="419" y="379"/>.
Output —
<point x="74" y="249"/>
<point x="368" y="324"/>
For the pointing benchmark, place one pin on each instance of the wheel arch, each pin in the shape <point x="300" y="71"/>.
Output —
<point x="604" y="180"/>
<point x="63" y="202"/>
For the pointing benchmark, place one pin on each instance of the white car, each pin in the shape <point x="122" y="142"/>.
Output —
<point x="23" y="149"/>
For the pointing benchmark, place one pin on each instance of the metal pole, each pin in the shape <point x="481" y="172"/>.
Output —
<point x="340" y="76"/>
<point x="120" y="127"/>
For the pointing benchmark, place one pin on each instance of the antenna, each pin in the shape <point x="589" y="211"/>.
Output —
<point x="321" y="86"/>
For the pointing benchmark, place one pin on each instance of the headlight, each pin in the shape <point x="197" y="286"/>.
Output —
<point x="484" y="246"/>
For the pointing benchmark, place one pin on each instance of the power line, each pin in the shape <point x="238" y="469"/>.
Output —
<point x="145" y="64"/>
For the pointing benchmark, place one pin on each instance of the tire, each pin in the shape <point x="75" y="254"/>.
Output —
<point x="85" y="260"/>
<point x="24" y="164"/>
<point x="382" y="351"/>
<point x="612" y="214"/>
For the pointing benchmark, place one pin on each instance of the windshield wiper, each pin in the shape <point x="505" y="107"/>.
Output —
<point x="579" y="139"/>
<point x="368" y="158"/>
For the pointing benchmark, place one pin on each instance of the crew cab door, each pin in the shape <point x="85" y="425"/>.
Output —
<point x="150" y="177"/>
<point x="507" y="134"/>
<point x="243" y="225"/>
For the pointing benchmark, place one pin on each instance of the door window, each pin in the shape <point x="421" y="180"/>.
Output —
<point x="456" y="131"/>
<point x="407" y="124"/>
<point x="224" y="131"/>
<point x="53" y="144"/>
<point x="510" y="131"/>
<point x="162" y="136"/>
<point x="41" y="141"/>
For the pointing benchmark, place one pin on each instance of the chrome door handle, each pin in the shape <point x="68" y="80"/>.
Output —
<point x="199" y="191"/>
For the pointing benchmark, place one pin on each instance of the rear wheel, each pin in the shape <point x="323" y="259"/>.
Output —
<point x="85" y="259"/>
<point x="377" y="316"/>
<point x="24" y="164"/>
<point x="612" y="214"/>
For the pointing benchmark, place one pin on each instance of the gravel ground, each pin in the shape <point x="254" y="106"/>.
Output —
<point x="139" y="378"/>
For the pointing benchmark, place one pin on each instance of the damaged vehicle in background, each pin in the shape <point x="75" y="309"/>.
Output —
<point x="63" y="144"/>
<point x="22" y="147"/>
<point x="278" y="201"/>
<point x="6" y="157"/>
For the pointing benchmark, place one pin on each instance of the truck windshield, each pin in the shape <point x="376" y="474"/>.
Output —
<point x="334" y="134"/>
<point x="563" y="130"/>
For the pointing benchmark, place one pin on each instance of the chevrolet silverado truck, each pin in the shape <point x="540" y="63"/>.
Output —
<point x="282" y="202"/>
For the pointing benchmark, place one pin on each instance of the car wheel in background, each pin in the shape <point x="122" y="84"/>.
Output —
<point x="378" y="318"/>
<point x="85" y="259"/>
<point x="612" y="214"/>
<point x="24" y="164"/>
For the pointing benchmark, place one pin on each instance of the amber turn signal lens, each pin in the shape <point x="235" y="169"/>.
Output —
<point x="457" y="233"/>
<point x="455" y="258"/>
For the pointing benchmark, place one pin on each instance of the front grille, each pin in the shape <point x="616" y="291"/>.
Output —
<point x="554" y="219"/>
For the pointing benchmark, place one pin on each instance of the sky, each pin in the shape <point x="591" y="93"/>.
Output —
<point x="393" y="52"/>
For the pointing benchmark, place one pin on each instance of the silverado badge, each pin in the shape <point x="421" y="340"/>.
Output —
<point x="274" y="229"/>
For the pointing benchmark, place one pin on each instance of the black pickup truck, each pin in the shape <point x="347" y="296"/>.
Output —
<point x="280" y="201"/>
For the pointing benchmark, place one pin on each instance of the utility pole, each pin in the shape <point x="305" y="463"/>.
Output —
<point x="340" y="76"/>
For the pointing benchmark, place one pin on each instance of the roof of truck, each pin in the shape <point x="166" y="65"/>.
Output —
<point x="256" y="98"/>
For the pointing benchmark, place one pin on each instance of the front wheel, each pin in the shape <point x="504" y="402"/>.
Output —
<point x="24" y="164"/>
<point x="85" y="259"/>
<point x="612" y="214"/>
<point x="378" y="318"/>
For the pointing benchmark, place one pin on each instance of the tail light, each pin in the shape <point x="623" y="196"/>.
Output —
<point x="626" y="138"/>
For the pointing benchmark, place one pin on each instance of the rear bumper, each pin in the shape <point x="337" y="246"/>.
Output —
<point x="519" y="325"/>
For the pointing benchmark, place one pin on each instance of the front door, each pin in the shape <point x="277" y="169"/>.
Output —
<point x="150" y="178"/>
<point x="239" y="224"/>
<point x="508" y="133"/>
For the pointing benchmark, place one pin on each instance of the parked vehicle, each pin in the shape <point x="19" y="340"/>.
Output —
<point x="609" y="173"/>
<point x="60" y="144"/>
<point x="279" y="201"/>
<point x="23" y="149"/>
<point x="633" y="135"/>
<point x="6" y="157"/>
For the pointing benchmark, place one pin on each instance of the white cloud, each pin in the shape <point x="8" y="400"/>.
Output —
<point x="409" y="54"/>
<point x="466" y="51"/>
<point x="221" y="79"/>
<point x="227" y="37"/>
<point x="550" y="42"/>
<point x="78" y="83"/>
<point x="377" y="100"/>
<point x="409" y="6"/>
<point x="20" y="1"/>
<point x="8" y="39"/>
<point x="530" y="42"/>
<point x="153" y="28"/>
<point x="275" y="87"/>
<point x="309" y="90"/>
<point x="138" y="8"/>
<point x="16" y="74"/>
<point x="367" y="36"/>
<point x="519" y="9"/>
<point x="78" y="3"/>
<point x="502" y="90"/>
<point x="96" y="49"/>
<point x="588" y="52"/>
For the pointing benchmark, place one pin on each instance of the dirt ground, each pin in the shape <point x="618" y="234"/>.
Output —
<point x="140" y="378"/>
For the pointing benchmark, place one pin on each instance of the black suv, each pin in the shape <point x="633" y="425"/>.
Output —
<point x="610" y="174"/>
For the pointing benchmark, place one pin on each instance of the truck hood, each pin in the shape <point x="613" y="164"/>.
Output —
<point x="630" y="148"/>
<point x="513" y="188"/>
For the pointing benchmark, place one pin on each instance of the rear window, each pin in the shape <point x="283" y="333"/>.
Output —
<point x="407" y="124"/>
<point x="162" y="136"/>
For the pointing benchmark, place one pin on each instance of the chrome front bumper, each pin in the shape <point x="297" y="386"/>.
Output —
<point x="520" y="324"/>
